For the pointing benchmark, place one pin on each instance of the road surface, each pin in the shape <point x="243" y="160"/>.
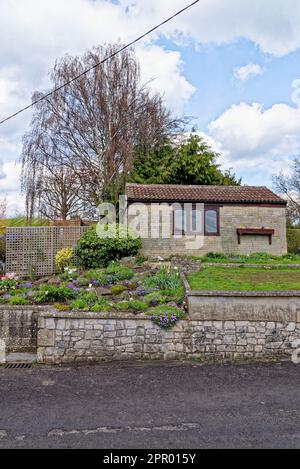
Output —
<point x="151" y="406"/>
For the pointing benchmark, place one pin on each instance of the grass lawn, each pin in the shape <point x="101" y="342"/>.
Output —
<point x="259" y="258"/>
<point x="245" y="279"/>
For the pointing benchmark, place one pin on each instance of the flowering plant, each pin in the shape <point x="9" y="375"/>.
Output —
<point x="166" y="316"/>
<point x="6" y="284"/>
<point x="64" y="259"/>
<point x="10" y="276"/>
<point x="165" y="321"/>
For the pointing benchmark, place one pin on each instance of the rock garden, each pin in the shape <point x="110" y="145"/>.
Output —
<point x="125" y="284"/>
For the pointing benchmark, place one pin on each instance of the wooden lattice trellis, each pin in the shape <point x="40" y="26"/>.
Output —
<point x="32" y="250"/>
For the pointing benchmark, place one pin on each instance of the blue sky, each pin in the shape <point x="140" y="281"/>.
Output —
<point x="235" y="73"/>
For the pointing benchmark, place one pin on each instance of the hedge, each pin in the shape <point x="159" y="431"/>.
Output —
<point x="293" y="238"/>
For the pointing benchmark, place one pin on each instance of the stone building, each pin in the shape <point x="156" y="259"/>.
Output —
<point x="195" y="220"/>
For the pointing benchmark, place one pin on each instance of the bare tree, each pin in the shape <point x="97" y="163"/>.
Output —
<point x="3" y="207"/>
<point x="94" y="127"/>
<point x="3" y="201"/>
<point x="56" y="194"/>
<point x="289" y="187"/>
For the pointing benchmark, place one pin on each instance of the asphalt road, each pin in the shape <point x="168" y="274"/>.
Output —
<point x="151" y="406"/>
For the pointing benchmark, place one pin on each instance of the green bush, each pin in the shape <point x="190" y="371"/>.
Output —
<point x="7" y="286"/>
<point x="85" y="301"/>
<point x="117" y="290"/>
<point x="101" y="306"/>
<point x="94" y="251"/>
<point x="164" y="280"/>
<point x="114" y="273"/>
<point x="2" y="249"/>
<point x="51" y="294"/>
<point x="293" y="239"/>
<point x="165" y="296"/>
<point x="119" y="272"/>
<point x="63" y="259"/>
<point x="18" y="300"/>
<point x="215" y="255"/>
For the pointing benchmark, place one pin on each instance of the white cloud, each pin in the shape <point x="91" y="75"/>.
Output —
<point x="271" y="24"/>
<point x="165" y="69"/>
<point x="248" y="71"/>
<point x="9" y="188"/>
<point x="34" y="33"/>
<point x="252" y="137"/>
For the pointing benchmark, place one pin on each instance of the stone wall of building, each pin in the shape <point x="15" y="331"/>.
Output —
<point x="232" y="217"/>
<point x="18" y="327"/>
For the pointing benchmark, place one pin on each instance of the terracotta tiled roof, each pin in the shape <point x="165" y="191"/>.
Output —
<point x="208" y="194"/>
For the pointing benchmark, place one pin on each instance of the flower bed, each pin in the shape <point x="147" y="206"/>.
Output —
<point x="158" y="293"/>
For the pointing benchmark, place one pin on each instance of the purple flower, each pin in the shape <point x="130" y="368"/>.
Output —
<point x="72" y="287"/>
<point x="25" y="285"/>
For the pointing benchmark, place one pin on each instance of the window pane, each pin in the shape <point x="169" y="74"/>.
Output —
<point x="197" y="221"/>
<point x="211" y="221"/>
<point x="178" y="221"/>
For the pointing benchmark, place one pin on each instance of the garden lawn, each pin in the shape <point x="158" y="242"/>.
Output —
<point x="245" y="279"/>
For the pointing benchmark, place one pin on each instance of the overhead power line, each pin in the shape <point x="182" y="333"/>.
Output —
<point x="55" y="90"/>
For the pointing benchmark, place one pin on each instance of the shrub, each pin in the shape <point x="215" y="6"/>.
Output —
<point x="132" y="305"/>
<point x="63" y="259"/>
<point x="261" y="256"/>
<point x="164" y="280"/>
<point x="119" y="272"/>
<point x="165" y="296"/>
<point x="94" y="251"/>
<point x="101" y="306"/>
<point x="293" y="238"/>
<point x="166" y="316"/>
<point x="2" y="249"/>
<point x="7" y="285"/>
<point x="85" y="301"/>
<point x="140" y="260"/>
<point x="117" y="290"/>
<point x="51" y="294"/>
<point x="114" y="273"/>
<point x="69" y="274"/>
<point x="215" y="255"/>
<point x="18" y="300"/>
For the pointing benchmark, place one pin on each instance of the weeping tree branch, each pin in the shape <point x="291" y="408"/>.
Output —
<point x="90" y="132"/>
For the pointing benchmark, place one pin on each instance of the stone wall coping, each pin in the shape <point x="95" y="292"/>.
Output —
<point x="263" y="266"/>
<point x="246" y="294"/>
<point x="33" y="308"/>
<point x="89" y="315"/>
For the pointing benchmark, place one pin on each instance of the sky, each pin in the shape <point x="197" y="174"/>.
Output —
<point x="231" y="65"/>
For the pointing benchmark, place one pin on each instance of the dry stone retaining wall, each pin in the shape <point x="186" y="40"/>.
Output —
<point x="219" y="325"/>
<point x="18" y="327"/>
<point x="69" y="337"/>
